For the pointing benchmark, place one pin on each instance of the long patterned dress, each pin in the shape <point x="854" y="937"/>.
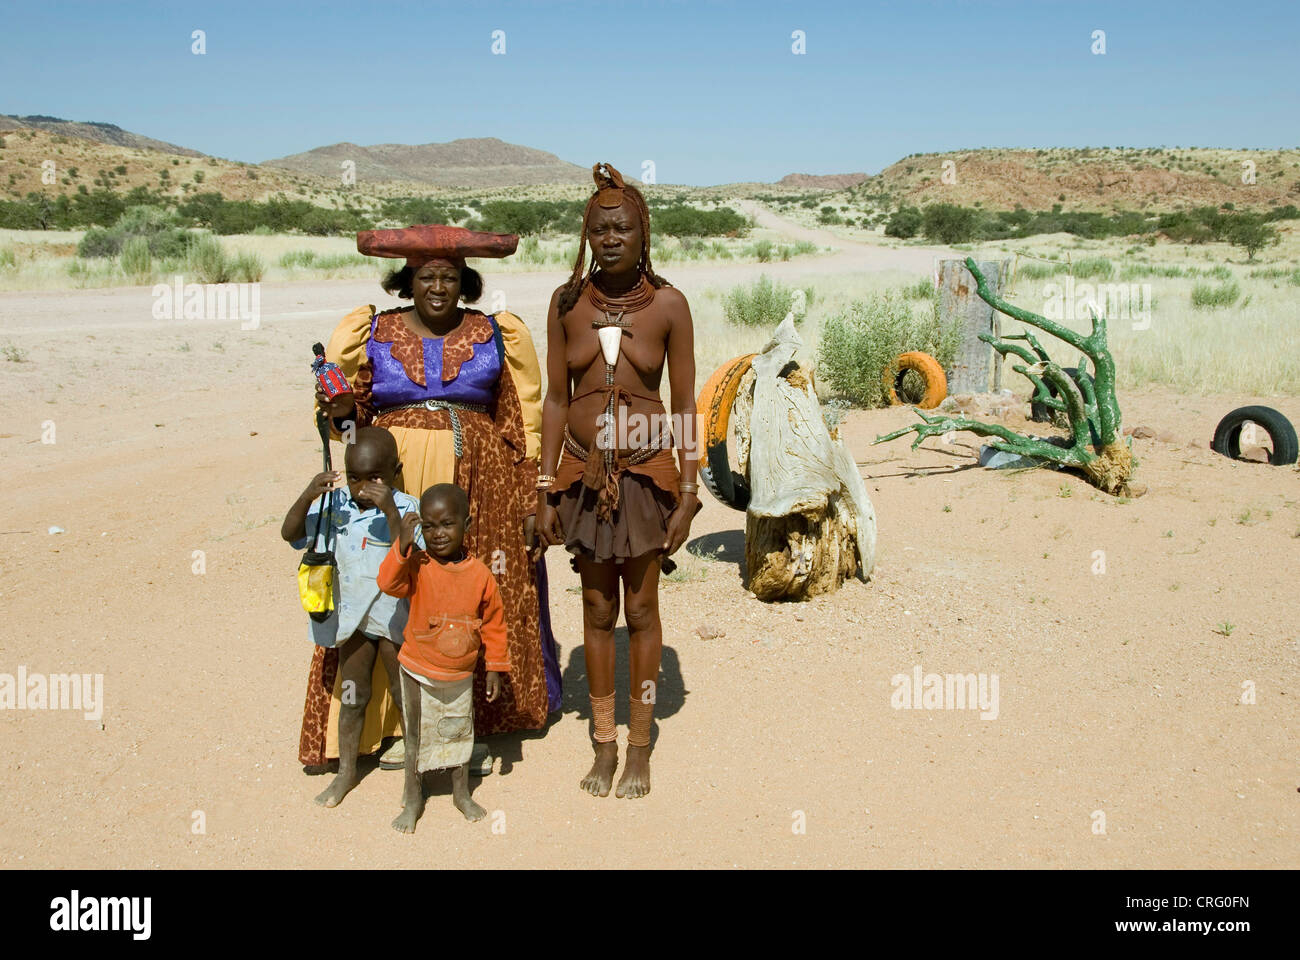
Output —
<point x="487" y="370"/>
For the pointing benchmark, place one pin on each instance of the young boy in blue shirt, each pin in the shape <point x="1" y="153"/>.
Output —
<point x="365" y="518"/>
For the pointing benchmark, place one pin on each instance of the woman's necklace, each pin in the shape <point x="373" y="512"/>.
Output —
<point x="637" y="298"/>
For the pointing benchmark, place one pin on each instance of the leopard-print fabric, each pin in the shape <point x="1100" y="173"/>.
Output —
<point x="316" y="711"/>
<point x="500" y="482"/>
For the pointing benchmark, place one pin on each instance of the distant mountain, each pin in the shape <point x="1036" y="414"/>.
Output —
<point x="480" y="162"/>
<point x="829" y="181"/>
<point x="102" y="132"/>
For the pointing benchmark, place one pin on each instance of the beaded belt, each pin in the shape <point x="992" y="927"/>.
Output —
<point x="451" y="406"/>
<point x="579" y="452"/>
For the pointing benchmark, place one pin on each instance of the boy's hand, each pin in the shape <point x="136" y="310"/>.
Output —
<point x="493" y="685"/>
<point x="406" y="531"/>
<point x="380" y="494"/>
<point x="322" y="483"/>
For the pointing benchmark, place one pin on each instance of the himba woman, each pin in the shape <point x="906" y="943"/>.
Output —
<point x="461" y="393"/>
<point x="609" y="490"/>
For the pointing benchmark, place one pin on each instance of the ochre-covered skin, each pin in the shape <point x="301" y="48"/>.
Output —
<point x="658" y="334"/>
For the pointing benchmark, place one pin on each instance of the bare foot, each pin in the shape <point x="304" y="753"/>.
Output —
<point x="466" y="805"/>
<point x="405" y="822"/>
<point x="635" y="781"/>
<point x="598" y="781"/>
<point x="460" y="797"/>
<point x="339" y="787"/>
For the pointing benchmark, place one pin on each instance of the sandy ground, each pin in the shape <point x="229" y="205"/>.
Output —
<point x="1117" y="696"/>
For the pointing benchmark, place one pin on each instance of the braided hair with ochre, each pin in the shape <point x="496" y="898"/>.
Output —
<point x="611" y="191"/>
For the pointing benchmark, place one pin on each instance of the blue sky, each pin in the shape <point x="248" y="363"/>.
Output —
<point x="710" y="91"/>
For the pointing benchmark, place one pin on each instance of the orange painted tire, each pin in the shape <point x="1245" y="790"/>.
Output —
<point x="714" y="406"/>
<point x="936" y="383"/>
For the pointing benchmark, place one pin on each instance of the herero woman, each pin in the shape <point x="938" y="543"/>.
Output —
<point x="460" y="391"/>
<point x="609" y="490"/>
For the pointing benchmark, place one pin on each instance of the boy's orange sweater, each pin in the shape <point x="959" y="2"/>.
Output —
<point x="441" y="641"/>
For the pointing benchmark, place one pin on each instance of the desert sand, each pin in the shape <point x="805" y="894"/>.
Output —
<point x="1117" y="695"/>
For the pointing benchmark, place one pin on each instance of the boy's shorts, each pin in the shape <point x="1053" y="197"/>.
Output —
<point x="446" y="721"/>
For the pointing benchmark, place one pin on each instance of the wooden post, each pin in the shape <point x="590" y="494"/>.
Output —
<point x="972" y="366"/>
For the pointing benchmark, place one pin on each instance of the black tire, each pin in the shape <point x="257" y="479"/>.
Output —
<point x="1040" y="412"/>
<point x="1227" y="435"/>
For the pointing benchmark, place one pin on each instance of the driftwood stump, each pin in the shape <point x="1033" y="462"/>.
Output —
<point x="809" y="525"/>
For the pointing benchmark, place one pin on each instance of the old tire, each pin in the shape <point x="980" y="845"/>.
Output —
<point x="714" y="405"/>
<point x="1227" y="435"/>
<point x="936" y="383"/>
<point x="1040" y="412"/>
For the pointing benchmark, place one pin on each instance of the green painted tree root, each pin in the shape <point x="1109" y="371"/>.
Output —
<point x="1095" y="447"/>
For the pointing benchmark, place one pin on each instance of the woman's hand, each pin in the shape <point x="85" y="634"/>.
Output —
<point x="493" y="684"/>
<point x="341" y="406"/>
<point x="679" y="523"/>
<point x="548" y="522"/>
<point x="532" y="543"/>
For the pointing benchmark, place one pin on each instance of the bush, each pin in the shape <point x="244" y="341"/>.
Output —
<point x="136" y="260"/>
<point x="904" y="223"/>
<point x="950" y="223"/>
<point x="1092" y="268"/>
<point x="208" y="261"/>
<point x="1210" y="296"/>
<point x="923" y="289"/>
<point x="681" y="220"/>
<point x="7" y="258"/>
<point x="1251" y="233"/>
<point x="161" y="230"/>
<point x="298" y="258"/>
<point x="763" y="304"/>
<point x="859" y="343"/>
<point x="247" y="267"/>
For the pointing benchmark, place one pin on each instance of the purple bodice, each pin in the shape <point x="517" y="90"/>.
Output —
<point x="476" y="382"/>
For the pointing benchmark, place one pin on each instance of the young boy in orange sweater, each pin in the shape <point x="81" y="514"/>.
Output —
<point x="455" y="608"/>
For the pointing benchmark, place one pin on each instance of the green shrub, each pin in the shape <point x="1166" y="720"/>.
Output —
<point x="923" y="289"/>
<point x="860" y="342"/>
<point x="247" y="267"/>
<point x="7" y="258"/>
<point x="1210" y="296"/>
<point x="136" y="259"/>
<point x="1040" y="271"/>
<point x="763" y="251"/>
<point x="298" y="258"/>
<point x="904" y="223"/>
<point x="161" y="229"/>
<point x="208" y="261"/>
<point x="761" y="304"/>
<point x="1092" y="268"/>
<point x="949" y="223"/>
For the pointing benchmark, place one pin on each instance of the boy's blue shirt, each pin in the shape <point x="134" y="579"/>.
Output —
<point x="360" y="540"/>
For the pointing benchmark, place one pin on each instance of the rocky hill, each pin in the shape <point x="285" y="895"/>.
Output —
<point x="481" y="162"/>
<point x="109" y="133"/>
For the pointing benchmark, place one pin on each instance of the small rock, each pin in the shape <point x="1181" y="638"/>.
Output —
<point x="54" y="530"/>
<point x="709" y="631"/>
<point x="252" y="433"/>
<point x="1141" y="433"/>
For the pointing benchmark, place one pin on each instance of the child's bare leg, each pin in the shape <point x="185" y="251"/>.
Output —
<point x="645" y="644"/>
<point x="413" y="785"/>
<point x="388" y="653"/>
<point x="356" y="661"/>
<point x="460" y="797"/>
<point x="599" y="614"/>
